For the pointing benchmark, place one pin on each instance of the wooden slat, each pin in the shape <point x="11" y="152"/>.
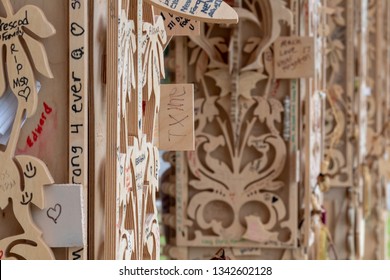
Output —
<point x="78" y="105"/>
<point x="112" y="131"/>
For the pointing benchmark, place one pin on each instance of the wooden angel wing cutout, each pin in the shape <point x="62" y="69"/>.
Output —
<point x="22" y="178"/>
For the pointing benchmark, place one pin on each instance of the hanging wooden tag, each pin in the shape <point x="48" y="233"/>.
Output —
<point x="213" y="11"/>
<point x="177" y="25"/>
<point x="177" y="118"/>
<point x="62" y="220"/>
<point x="294" y="57"/>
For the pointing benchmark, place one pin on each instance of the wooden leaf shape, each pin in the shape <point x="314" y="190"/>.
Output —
<point x="248" y="81"/>
<point x="221" y="77"/>
<point x="263" y="109"/>
<point x="213" y="11"/>
<point x="38" y="56"/>
<point x="37" y="21"/>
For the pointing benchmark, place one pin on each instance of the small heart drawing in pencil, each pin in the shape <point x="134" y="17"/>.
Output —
<point x="54" y="212"/>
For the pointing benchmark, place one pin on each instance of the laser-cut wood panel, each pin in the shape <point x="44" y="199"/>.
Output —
<point x="135" y="44"/>
<point x="238" y="170"/>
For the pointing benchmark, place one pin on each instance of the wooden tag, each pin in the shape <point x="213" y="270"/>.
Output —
<point x="62" y="219"/>
<point x="177" y="118"/>
<point x="176" y="25"/>
<point x="213" y="11"/>
<point x="294" y="57"/>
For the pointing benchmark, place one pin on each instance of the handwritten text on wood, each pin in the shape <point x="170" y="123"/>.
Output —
<point x="214" y="11"/>
<point x="177" y="117"/>
<point x="294" y="57"/>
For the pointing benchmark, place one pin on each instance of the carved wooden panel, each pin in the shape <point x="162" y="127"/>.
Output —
<point x="134" y="67"/>
<point x="234" y="189"/>
<point x="135" y="43"/>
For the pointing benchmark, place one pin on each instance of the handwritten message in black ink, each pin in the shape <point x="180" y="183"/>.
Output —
<point x="176" y="25"/>
<point x="10" y="28"/>
<point x="215" y="11"/>
<point x="20" y="84"/>
<point x="76" y="164"/>
<point x="78" y="101"/>
<point x="294" y="57"/>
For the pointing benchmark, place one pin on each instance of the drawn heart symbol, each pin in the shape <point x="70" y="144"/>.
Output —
<point x="76" y="29"/>
<point x="54" y="213"/>
<point x="25" y="93"/>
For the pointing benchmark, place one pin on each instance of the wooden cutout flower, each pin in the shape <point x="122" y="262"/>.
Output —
<point x="16" y="36"/>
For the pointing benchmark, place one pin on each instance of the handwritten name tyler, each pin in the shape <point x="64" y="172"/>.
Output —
<point x="13" y="28"/>
<point x="177" y="115"/>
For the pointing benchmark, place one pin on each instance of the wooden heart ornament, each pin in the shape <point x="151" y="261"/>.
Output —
<point x="213" y="11"/>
